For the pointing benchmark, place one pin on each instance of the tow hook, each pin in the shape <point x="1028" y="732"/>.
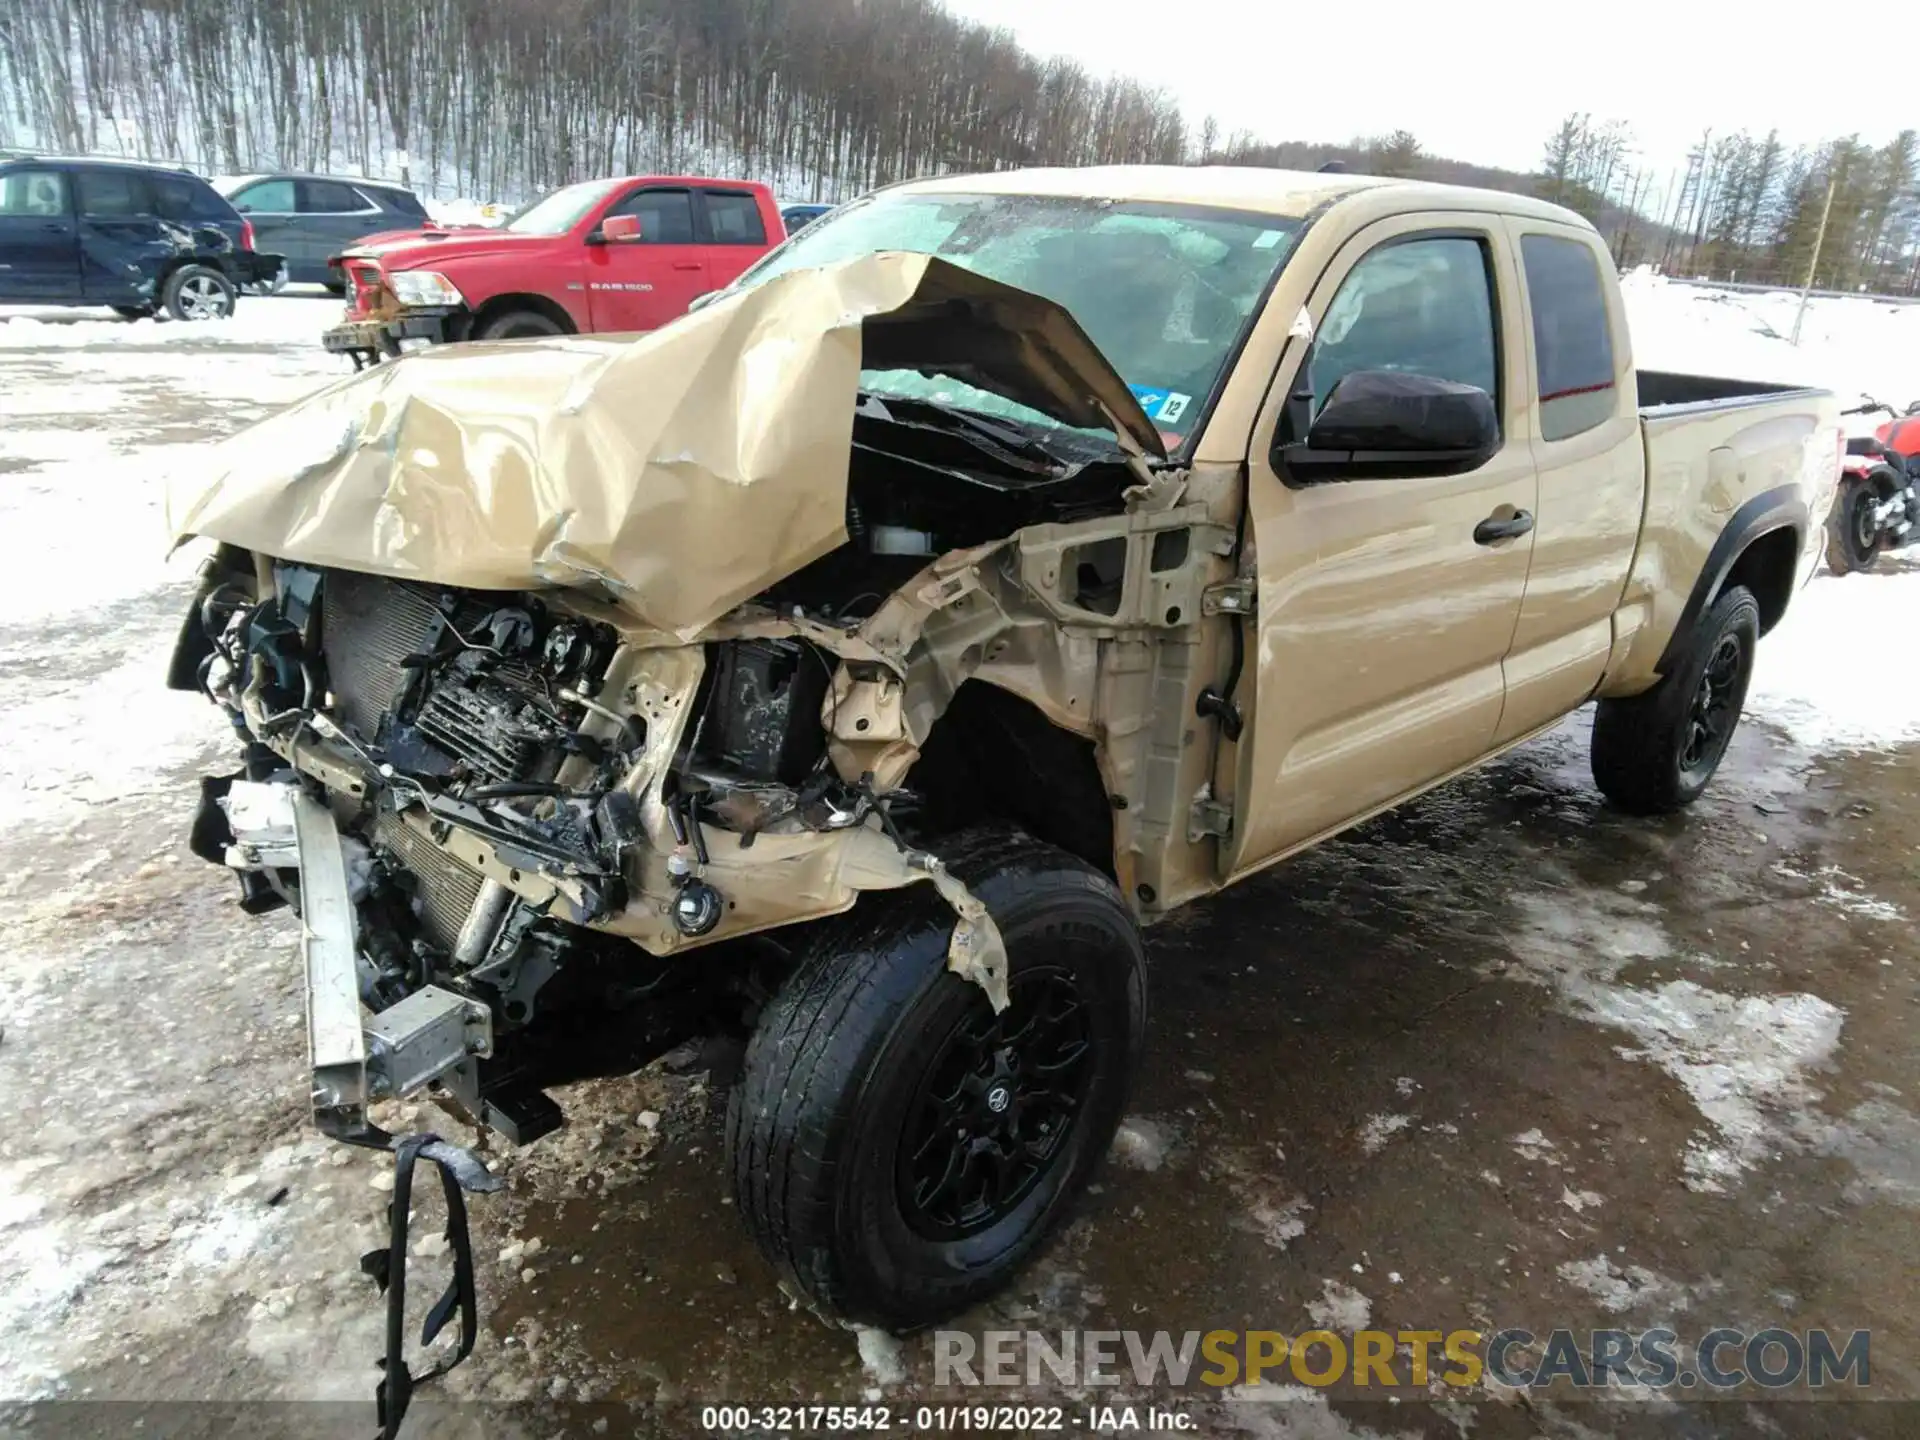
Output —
<point x="460" y="1170"/>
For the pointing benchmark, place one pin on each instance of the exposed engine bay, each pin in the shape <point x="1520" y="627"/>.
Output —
<point x="527" y="783"/>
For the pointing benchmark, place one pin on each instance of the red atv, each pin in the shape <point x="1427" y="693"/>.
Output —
<point x="1878" y="506"/>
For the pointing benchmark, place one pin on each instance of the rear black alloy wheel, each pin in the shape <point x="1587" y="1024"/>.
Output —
<point x="1654" y="753"/>
<point x="1716" y="706"/>
<point x="899" y="1151"/>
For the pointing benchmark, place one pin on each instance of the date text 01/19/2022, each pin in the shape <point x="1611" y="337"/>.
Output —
<point x="940" y="1419"/>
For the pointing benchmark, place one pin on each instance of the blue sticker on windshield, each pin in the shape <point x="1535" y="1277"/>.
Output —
<point x="1163" y="406"/>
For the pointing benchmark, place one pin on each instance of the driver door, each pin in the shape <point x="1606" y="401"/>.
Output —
<point x="1382" y="620"/>
<point x="641" y="284"/>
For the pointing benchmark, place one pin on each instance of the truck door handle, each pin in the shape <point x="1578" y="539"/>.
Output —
<point x="1491" y="531"/>
<point x="687" y="264"/>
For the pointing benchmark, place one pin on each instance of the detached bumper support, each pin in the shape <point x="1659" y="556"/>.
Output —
<point x="367" y="342"/>
<point x="460" y="1170"/>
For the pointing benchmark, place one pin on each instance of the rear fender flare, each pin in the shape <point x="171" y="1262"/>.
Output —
<point x="1778" y="509"/>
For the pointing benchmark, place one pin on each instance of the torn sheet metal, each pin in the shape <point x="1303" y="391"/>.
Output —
<point x="781" y="879"/>
<point x="678" y="474"/>
<point x="976" y="951"/>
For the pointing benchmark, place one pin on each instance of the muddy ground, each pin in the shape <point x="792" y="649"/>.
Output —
<point x="1504" y="1058"/>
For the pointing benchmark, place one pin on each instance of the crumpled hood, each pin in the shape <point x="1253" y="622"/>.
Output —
<point x="681" y="473"/>
<point x="407" y="249"/>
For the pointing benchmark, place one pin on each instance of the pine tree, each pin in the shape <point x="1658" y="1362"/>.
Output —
<point x="1397" y="154"/>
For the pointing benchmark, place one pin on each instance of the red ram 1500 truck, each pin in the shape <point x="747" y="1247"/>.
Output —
<point x="604" y="255"/>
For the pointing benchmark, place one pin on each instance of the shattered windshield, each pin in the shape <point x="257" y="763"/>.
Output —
<point x="561" y="210"/>
<point x="1164" y="291"/>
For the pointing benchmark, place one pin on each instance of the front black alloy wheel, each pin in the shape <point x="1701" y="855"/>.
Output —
<point x="994" y="1107"/>
<point x="899" y="1150"/>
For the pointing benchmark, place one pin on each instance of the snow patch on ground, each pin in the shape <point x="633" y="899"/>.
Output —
<point x="1852" y="346"/>
<point x="1835" y="887"/>
<point x="1536" y="1147"/>
<point x="1279" y="1224"/>
<point x="1881" y="1141"/>
<point x="880" y="1356"/>
<point x="1141" y="1144"/>
<point x="256" y="320"/>
<point x="1379" y="1129"/>
<point x="1620" y="1288"/>
<point x="1823" y="675"/>
<point x="1268" y="1411"/>
<point x="1340" y="1308"/>
<point x="1742" y="1060"/>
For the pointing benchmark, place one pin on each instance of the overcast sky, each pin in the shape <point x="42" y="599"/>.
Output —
<point x="1487" y="80"/>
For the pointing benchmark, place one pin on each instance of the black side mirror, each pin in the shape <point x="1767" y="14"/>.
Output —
<point x="1388" y="424"/>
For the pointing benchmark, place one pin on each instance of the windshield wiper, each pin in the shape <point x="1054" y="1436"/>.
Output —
<point x="1009" y="441"/>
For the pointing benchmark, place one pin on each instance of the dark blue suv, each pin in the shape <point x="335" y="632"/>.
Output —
<point x="141" y="239"/>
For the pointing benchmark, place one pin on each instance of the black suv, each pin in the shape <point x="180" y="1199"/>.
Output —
<point x="138" y="238"/>
<point x="311" y="218"/>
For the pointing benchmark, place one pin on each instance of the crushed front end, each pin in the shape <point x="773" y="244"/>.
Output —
<point x="568" y="695"/>
<point x="496" y="813"/>
<point x="479" y="802"/>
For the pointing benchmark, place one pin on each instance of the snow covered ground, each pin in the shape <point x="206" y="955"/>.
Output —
<point x="1852" y="346"/>
<point x="151" y="1035"/>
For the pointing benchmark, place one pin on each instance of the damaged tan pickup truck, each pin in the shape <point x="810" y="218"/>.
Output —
<point x="859" y="662"/>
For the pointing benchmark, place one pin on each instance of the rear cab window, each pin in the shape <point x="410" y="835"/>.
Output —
<point x="1572" y="335"/>
<point x="733" y="218"/>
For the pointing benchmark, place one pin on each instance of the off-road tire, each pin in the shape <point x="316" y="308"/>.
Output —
<point x="833" y="1078"/>
<point x="1641" y="744"/>
<point x="517" y="325"/>
<point x="198" y="292"/>
<point x="1845" y="552"/>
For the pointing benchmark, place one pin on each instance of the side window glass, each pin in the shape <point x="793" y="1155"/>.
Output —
<point x="324" y="197"/>
<point x="1572" y="337"/>
<point x="735" y="219"/>
<point x="40" y="193"/>
<point x="1424" y="307"/>
<point x="666" y="216"/>
<point x="174" y="198"/>
<point x="111" y="194"/>
<point x="269" y="197"/>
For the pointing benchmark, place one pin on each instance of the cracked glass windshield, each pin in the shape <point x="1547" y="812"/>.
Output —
<point x="1163" y="290"/>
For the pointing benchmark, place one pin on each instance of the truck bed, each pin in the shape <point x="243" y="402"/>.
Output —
<point x="1668" y="390"/>
<point x="1726" y="460"/>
